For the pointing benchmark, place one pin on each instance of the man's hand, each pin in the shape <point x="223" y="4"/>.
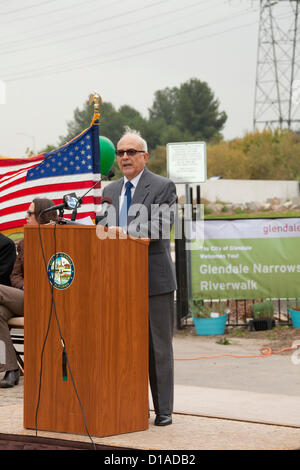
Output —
<point x="110" y="232"/>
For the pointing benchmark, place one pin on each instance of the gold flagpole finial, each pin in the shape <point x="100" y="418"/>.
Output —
<point x="96" y="99"/>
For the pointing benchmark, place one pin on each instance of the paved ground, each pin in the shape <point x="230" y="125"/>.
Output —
<point x="276" y="374"/>
<point x="220" y="403"/>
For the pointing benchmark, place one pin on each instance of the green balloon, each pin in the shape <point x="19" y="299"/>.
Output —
<point x="107" y="154"/>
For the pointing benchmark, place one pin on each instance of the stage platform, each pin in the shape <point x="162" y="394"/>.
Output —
<point x="204" y="419"/>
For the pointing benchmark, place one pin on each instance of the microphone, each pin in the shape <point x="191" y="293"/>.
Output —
<point x="70" y="202"/>
<point x="110" y="175"/>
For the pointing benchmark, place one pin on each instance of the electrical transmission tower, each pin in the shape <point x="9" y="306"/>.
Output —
<point x="277" y="90"/>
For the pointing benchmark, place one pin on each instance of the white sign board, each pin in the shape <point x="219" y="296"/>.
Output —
<point x="186" y="162"/>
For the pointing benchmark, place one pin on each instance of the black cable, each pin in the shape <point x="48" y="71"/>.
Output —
<point x="47" y="332"/>
<point x="53" y="308"/>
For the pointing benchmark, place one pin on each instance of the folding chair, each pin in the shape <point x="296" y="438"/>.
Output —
<point x="17" y="323"/>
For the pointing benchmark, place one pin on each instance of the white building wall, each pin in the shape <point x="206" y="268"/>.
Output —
<point x="242" y="191"/>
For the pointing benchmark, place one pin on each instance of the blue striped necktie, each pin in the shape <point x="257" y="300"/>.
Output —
<point x="125" y="205"/>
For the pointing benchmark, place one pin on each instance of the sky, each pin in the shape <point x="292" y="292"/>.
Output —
<point x="54" y="53"/>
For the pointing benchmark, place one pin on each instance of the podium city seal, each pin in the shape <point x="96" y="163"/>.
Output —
<point x="61" y="271"/>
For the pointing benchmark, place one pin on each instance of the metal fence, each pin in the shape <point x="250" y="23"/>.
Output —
<point x="240" y="312"/>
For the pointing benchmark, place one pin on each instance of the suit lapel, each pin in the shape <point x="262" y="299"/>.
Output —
<point x="116" y="198"/>
<point x="141" y="192"/>
<point x="142" y="189"/>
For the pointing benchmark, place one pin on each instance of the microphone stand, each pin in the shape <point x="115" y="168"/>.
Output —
<point x="110" y="175"/>
<point x="60" y="217"/>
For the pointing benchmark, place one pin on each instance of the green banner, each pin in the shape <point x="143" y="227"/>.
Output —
<point x="247" y="259"/>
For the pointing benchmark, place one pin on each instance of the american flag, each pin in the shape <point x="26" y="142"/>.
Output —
<point x="74" y="167"/>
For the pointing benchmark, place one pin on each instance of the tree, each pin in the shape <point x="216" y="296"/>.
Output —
<point x="164" y="105"/>
<point x="82" y="120"/>
<point x="110" y="122"/>
<point x="158" y="161"/>
<point x="259" y="155"/>
<point x="183" y="114"/>
<point x="189" y="112"/>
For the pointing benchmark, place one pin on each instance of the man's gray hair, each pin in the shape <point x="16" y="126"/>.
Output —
<point x="129" y="131"/>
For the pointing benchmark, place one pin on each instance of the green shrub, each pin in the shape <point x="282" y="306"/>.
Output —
<point x="201" y="309"/>
<point x="263" y="309"/>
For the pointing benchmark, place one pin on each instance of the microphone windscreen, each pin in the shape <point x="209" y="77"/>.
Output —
<point x="111" y="174"/>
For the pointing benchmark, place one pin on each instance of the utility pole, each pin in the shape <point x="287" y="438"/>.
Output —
<point x="277" y="88"/>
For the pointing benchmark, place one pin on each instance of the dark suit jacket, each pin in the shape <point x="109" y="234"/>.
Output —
<point x="153" y="222"/>
<point x="7" y="258"/>
<point x="17" y="274"/>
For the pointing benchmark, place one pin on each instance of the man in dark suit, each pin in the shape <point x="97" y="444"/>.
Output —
<point x="7" y="258"/>
<point x="149" y="199"/>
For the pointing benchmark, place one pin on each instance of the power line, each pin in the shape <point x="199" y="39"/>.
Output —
<point x="82" y="62"/>
<point x="148" y="19"/>
<point x="58" y="10"/>
<point x="87" y="25"/>
<point x="97" y="63"/>
<point x="4" y="13"/>
<point x="54" y="32"/>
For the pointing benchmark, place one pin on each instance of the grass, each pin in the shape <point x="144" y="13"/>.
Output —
<point x="16" y="236"/>
<point x="253" y="215"/>
<point x="239" y="333"/>
<point x="223" y="341"/>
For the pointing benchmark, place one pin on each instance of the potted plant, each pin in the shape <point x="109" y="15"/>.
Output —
<point x="294" y="312"/>
<point x="209" y="319"/>
<point x="262" y="313"/>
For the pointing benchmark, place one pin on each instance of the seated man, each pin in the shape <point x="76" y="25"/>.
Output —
<point x="12" y="298"/>
<point x="7" y="259"/>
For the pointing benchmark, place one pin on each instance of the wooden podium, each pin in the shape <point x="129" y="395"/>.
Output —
<point x="103" y="318"/>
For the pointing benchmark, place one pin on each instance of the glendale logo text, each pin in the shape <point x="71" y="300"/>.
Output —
<point x="281" y="228"/>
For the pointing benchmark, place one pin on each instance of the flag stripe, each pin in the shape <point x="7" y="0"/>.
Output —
<point x="56" y="194"/>
<point x="21" y="222"/>
<point x="45" y="188"/>
<point x="23" y="207"/>
<point x="74" y="167"/>
<point x="20" y="216"/>
<point x="10" y="161"/>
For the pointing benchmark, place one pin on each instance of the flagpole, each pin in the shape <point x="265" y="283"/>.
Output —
<point x="96" y="99"/>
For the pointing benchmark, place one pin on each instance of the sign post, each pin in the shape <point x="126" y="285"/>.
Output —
<point x="186" y="164"/>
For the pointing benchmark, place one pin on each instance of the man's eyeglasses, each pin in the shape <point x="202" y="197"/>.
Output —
<point x="30" y="213"/>
<point x="130" y="152"/>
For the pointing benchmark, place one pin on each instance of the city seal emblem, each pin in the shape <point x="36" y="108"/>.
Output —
<point x="61" y="271"/>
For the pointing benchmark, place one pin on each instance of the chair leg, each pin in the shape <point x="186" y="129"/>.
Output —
<point x="18" y="339"/>
<point x="20" y="361"/>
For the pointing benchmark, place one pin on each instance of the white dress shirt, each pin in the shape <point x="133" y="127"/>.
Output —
<point x="134" y="183"/>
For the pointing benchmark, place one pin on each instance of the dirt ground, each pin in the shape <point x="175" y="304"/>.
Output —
<point x="279" y="337"/>
<point x="249" y="361"/>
